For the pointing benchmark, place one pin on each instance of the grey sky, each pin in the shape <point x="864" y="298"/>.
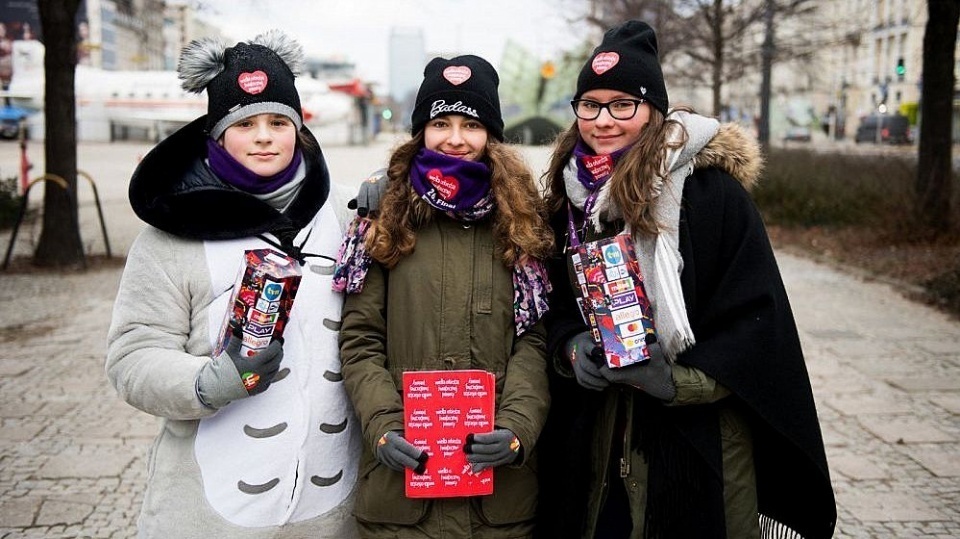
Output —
<point x="358" y="30"/>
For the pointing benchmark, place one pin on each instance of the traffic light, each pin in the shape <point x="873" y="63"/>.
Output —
<point x="901" y="70"/>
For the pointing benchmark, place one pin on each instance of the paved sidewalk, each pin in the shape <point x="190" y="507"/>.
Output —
<point x="885" y="372"/>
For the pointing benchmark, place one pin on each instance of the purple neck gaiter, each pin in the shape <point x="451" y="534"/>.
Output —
<point x="592" y="169"/>
<point x="234" y="173"/>
<point x="449" y="183"/>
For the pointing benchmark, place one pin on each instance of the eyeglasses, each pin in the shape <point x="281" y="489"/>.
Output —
<point x="619" y="109"/>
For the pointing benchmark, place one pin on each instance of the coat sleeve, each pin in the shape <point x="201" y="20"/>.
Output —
<point x="363" y="353"/>
<point x="147" y="361"/>
<point x="525" y="399"/>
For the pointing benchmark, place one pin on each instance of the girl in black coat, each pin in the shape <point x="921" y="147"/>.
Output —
<point x="716" y="433"/>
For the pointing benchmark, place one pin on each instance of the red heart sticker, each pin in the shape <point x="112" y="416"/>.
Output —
<point x="604" y="62"/>
<point x="253" y="83"/>
<point x="457" y="75"/>
<point x="446" y="186"/>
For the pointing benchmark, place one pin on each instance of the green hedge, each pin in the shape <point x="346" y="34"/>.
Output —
<point x="802" y="188"/>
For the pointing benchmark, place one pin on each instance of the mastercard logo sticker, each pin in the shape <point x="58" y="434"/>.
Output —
<point x="630" y="328"/>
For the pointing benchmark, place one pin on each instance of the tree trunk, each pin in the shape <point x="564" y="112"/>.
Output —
<point x="60" y="244"/>
<point x="719" y="44"/>
<point x="933" y="188"/>
<point x="766" y="70"/>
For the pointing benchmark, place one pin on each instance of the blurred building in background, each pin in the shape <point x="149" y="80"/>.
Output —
<point x="407" y="58"/>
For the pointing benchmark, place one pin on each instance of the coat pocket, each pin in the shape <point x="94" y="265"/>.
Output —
<point x="381" y="500"/>
<point x="514" y="498"/>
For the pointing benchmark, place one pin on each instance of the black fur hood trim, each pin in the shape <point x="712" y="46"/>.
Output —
<point x="174" y="190"/>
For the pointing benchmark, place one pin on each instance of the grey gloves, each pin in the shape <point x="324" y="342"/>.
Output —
<point x="231" y="376"/>
<point x="483" y="451"/>
<point x="655" y="377"/>
<point x="585" y="358"/>
<point x="371" y="193"/>
<point x="491" y="449"/>
<point x="396" y="453"/>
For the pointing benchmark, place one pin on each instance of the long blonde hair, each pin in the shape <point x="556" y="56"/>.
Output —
<point x="519" y="225"/>
<point x="633" y="180"/>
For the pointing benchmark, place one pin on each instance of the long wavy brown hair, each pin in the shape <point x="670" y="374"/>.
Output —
<point x="519" y="224"/>
<point x="633" y="179"/>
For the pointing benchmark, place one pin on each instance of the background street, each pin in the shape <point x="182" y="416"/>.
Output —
<point x="885" y="373"/>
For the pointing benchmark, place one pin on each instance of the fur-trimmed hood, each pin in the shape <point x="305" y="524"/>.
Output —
<point x="734" y="150"/>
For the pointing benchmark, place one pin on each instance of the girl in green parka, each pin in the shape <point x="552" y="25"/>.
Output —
<point x="449" y="277"/>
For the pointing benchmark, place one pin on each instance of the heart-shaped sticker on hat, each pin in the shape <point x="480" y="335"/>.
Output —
<point x="604" y="62"/>
<point x="253" y="83"/>
<point x="457" y="75"/>
<point x="446" y="186"/>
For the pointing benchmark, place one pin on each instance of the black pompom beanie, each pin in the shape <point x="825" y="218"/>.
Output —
<point x="244" y="80"/>
<point x="464" y="85"/>
<point x="254" y="81"/>
<point x="626" y="60"/>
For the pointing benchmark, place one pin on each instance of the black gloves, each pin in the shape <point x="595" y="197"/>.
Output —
<point x="231" y="376"/>
<point x="370" y="194"/>
<point x="586" y="357"/>
<point x="396" y="453"/>
<point x="491" y="449"/>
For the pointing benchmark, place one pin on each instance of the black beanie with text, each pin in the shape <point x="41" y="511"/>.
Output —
<point x="465" y="85"/>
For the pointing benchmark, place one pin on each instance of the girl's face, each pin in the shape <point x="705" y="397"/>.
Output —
<point x="263" y="143"/>
<point x="605" y="134"/>
<point x="457" y="136"/>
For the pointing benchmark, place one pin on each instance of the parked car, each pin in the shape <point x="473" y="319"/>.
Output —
<point x="893" y="129"/>
<point x="10" y="117"/>
<point x="797" y="133"/>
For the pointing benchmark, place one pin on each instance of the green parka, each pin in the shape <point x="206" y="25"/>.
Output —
<point x="447" y="305"/>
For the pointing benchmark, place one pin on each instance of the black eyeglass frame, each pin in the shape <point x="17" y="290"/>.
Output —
<point x="600" y="106"/>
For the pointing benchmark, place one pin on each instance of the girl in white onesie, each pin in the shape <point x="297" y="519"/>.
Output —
<point x="250" y="446"/>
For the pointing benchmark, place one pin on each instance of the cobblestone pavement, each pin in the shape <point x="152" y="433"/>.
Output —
<point x="885" y="372"/>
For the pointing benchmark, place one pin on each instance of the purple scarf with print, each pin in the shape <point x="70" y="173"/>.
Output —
<point x="448" y="183"/>
<point x="234" y="173"/>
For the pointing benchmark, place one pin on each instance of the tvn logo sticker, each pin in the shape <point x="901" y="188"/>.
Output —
<point x="271" y="290"/>
<point x="260" y="317"/>
<point x="626" y="315"/>
<point x="258" y="330"/>
<point x="623" y="300"/>
<point x="612" y="254"/>
<point x="619" y="286"/>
